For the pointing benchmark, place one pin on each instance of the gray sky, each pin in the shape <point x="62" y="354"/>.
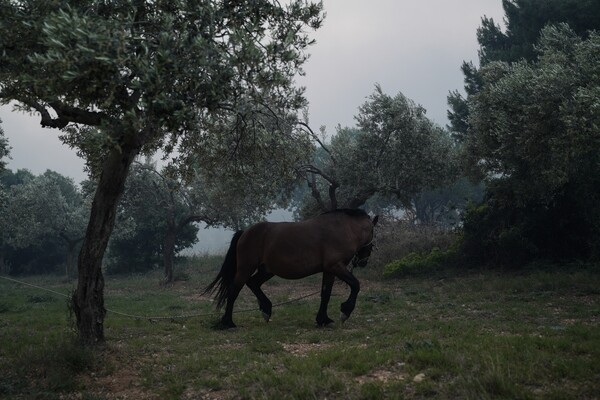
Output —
<point x="411" y="46"/>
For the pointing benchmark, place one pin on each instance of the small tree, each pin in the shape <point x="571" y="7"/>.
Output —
<point x="444" y="206"/>
<point x="48" y="208"/>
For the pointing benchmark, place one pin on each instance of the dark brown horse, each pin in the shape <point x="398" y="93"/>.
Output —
<point x="327" y="243"/>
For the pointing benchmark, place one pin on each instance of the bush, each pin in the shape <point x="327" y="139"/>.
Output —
<point x="505" y="232"/>
<point x="421" y="263"/>
<point x="491" y="238"/>
<point x="396" y="239"/>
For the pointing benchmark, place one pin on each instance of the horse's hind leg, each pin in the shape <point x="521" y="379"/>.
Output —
<point x="233" y="292"/>
<point x="241" y="277"/>
<point x="322" y="318"/>
<point x="254" y="283"/>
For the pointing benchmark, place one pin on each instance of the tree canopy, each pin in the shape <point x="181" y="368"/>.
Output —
<point x="395" y="150"/>
<point x="535" y="139"/>
<point x="528" y="127"/>
<point x="524" y="21"/>
<point x="163" y="70"/>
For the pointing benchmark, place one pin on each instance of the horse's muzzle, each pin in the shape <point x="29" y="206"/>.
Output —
<point x="361" y="263"/>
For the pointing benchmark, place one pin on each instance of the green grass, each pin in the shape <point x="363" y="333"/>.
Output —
<point x="484" y="335"/>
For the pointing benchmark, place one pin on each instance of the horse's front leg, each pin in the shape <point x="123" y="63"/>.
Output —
<point x="326" y="287"/>
<point x="347" y="307"/>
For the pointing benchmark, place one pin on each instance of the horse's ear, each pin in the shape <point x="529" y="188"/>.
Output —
<point x="375" y="219"/>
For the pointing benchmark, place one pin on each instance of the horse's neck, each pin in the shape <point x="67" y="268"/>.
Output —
<point x="360" y="232"/>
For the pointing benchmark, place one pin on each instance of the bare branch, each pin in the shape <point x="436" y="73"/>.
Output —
<point x="317" y="139"/>
<point x="312" y="184"/>
<point x="311" y="169"/>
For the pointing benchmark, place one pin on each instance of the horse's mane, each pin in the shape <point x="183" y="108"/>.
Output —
<point x="352" y="212"/>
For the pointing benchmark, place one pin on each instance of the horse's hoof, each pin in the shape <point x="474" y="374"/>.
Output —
<point x="343" y="317"/>
<point x="266" y="316"/>
<point x="223" y="325"/>
<point x="325" y="322"/>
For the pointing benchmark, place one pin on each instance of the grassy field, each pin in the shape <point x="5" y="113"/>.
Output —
<point x="532" y="334"/>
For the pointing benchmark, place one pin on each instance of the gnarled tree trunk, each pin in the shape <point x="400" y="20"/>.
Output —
<point x="88" y="299"/>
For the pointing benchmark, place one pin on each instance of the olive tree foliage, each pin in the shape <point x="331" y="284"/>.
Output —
<point x="42" y="214"/>
<point x="524" y="20"/>
<point x="394" y="151"/>
<point x="9" y="222"/>
<point x="126" y="78"/>
<point x="535" y="139"/>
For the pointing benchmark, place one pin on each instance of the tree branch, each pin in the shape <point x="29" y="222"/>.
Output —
<point x="312" y="184"/>
<point x="311" y="169"/>
<point x="316" y="138"/>
<point x="64" y="114"/>
<point x="77" y="115"/>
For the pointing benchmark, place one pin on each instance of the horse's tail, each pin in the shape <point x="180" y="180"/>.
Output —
<point x="225" y="277"/>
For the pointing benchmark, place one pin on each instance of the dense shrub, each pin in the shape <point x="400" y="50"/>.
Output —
<point x="504" y="232"/>
<point x="45" y="258"/>
<point x="421" y="263"/>
<point x="396" y="238"/>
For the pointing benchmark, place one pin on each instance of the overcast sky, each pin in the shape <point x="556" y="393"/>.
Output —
<point x="411" y="46"/>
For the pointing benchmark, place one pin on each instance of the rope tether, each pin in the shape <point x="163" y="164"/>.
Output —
<point x="150" y="318"/>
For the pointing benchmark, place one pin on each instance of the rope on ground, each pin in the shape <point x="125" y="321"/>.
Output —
<point x="196" y="315"/>
<point x="162" y="318"/>
<point x="35" y="286"/>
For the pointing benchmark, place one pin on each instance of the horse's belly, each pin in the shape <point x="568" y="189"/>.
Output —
<point x="293" y="266"/>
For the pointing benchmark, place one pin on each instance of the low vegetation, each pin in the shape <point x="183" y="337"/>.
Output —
<point x="528" y="334"/>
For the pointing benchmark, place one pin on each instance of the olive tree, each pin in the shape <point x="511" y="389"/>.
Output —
<point x="535" y="139"/>
<point x="395" y="150"/>
<point x="126" y="78"/>
<point x="47" y="208"/>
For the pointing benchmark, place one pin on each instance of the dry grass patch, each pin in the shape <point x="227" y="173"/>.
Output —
<point x="303" y="349"/>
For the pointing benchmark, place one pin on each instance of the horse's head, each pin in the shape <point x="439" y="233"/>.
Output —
<point x="361" y="258"/>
